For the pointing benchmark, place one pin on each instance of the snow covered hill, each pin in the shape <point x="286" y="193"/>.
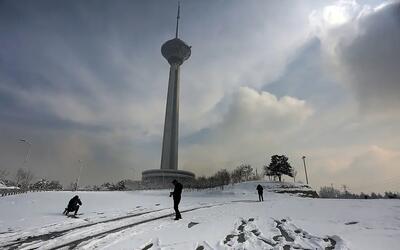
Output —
<point x="212" y="219"/>
<point x="297" y="189"/>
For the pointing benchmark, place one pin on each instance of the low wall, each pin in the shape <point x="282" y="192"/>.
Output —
<point x="6" y="192"/>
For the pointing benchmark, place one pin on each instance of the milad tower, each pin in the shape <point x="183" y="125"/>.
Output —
<point x="175" y="52"/>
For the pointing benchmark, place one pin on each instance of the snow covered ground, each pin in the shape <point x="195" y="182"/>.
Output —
<point x="213" y="219"/>
<point x="3" y="186"/>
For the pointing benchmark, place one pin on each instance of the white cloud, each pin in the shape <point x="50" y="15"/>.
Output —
<point x="264" y="112"/>
<point x="254" y="124"/>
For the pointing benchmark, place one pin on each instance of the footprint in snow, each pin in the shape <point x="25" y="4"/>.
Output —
<point x="247" y="235"/>
<point x="154" y="244"/>
<point x="351" y="223"/>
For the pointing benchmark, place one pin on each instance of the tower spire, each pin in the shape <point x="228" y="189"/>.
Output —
<point x="177" y="20"/>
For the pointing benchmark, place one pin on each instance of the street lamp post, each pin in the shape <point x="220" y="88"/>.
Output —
<point x="79" y="176"/>
<point x="28" y="151"/>
<point x="305" y="168"/>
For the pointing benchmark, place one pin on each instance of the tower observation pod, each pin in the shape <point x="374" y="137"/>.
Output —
<point x="175" y="51"/>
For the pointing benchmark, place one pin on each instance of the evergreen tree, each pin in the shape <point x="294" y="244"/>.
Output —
<point x="280" y="166"/>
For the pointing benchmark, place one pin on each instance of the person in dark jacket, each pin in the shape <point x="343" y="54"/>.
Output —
<point x="73" y="205"/>
<point x="260" y="192"/>
<point x="176" y="194"/>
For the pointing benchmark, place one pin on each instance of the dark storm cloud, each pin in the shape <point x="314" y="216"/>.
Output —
<point x="371" y="61"/>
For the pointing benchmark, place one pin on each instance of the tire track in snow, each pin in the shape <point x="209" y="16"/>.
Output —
<point x="15" y="244"/>
<point x="73" y="244"/>
<point x="55" y="234"/>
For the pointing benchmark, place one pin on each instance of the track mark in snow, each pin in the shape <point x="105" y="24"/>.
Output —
<point x="245" y="231"/>
<point x="51" y="235"/>
<point x="296" y="238"/>
<point x="191" y="224"/>
<point x="246" y="201"/>
<point x="204" y="246"/>
<point x="7" y="232"/>
<point x="148" y="246"/>
<point x="248" y="235"/>
<point x="154" y="244"/>
<point x="333" y="243"/>
<point x="75" y="243"/>
<point x="37" y="239"/>
<point x="283" y="231"/>
<point x="351" y="223"/>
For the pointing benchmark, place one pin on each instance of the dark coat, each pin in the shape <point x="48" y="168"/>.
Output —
<point x="176" y="194"/>
<point x="73" y="203"/>
<point x="260" y="188"/>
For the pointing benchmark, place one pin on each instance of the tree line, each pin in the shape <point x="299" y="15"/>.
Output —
<point x="23" y="179"/>
<point x="278" y="166"/>
<point x="334" y="193"/>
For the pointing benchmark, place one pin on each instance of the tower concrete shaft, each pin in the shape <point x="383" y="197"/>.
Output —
<point x="175" y="51"/>
<point x="169" y="155"/>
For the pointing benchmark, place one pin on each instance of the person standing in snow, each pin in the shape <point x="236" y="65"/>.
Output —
<point x="176" y="194"/>
<point x="260" y="192"/>
<point x="73" y="205"/>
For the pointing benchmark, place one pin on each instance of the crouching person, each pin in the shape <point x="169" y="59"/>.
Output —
<point x="73" y="205"/>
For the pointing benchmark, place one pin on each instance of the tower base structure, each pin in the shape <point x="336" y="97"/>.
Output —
<point x="162" y="178"/>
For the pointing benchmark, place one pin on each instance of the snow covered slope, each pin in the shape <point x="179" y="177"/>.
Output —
<point x="212" y="219"/>
<point x="297" y="189"/>
<point x="5" y="187"/>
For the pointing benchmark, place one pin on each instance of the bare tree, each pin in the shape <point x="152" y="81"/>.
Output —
<point x="237" y="175"/>
<point x="18" y="176"/>
<point x="222" y="177"/>
<point x="3" y="174"/>
<point x="242" y="172"/>
<point x="23" y="178"/>
<point x="72" y="186"/>
<point x="247" y="171"/>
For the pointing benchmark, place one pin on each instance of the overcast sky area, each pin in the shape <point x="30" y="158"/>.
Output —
<point x="85" y="80"/>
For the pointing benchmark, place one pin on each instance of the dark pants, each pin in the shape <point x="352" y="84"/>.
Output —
<point x="176" y="204"/>
<point x="71" y="209"/>
<point x="260" y="196"/>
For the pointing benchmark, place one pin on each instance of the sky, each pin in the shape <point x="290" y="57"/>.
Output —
<point x="85" y="84"/>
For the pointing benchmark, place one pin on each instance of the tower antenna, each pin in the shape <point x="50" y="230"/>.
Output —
<point x="177" y="20"/>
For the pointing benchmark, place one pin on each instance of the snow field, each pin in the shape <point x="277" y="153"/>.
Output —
<point x="228" y="219"/>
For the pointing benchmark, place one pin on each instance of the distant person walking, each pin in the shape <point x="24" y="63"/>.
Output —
<point x="73" y="205"/>
<point x="176" y="194"/>
<point x="260" y="192"/>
